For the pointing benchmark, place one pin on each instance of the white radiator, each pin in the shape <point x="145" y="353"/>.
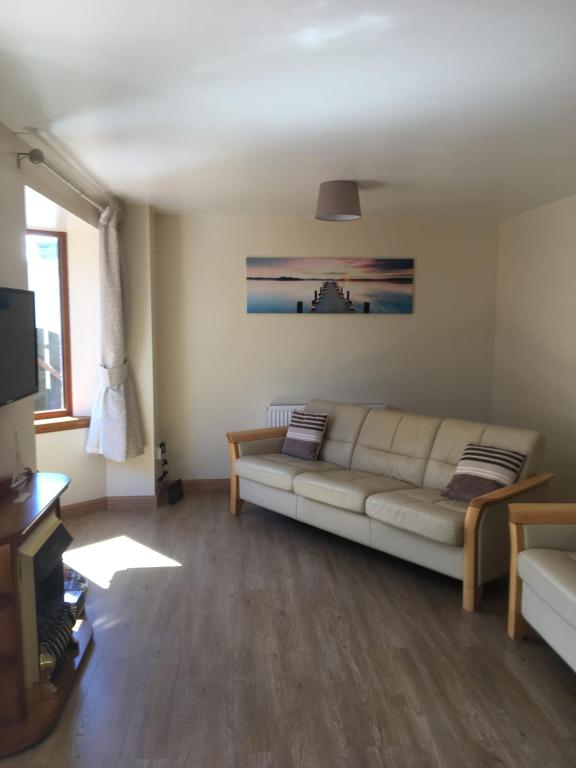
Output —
<point x="278" y="414"/>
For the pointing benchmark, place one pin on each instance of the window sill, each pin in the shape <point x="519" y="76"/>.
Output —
<point x="60" y="424"/>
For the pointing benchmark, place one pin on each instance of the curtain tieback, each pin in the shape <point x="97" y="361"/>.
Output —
<point x="117" y="374"/>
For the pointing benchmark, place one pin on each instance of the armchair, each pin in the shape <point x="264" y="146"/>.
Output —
<point x="543" y="575"/>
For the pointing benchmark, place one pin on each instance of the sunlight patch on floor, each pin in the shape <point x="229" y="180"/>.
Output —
<point x="100" y="561"/>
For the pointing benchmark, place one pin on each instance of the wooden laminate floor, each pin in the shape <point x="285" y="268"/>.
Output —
<point x="276" y="645"/>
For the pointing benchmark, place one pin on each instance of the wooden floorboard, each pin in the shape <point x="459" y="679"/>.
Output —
<point x="276" y="645"/>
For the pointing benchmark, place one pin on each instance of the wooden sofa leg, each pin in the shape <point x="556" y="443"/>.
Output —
<point x="471" y="596"/>
<point x="516" y="624"/>
<point x="517" y="628"/>
<point x="235" y="500"/>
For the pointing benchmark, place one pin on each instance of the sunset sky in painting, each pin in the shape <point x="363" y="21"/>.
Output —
<point x="272" y="267"/>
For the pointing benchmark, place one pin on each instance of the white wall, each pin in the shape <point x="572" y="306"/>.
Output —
<point x="16" y="416"/>
<point x="535" y="351"/>
<point x="219" y="366"/>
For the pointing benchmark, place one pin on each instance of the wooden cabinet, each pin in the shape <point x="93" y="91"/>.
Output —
<point x="27" y="714"/>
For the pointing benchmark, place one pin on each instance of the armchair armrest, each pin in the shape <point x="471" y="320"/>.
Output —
<point x="543" y="514"/>
<point x="526" y="515"/>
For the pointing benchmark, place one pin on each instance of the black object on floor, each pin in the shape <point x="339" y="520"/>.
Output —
<point x="175" y="492"/>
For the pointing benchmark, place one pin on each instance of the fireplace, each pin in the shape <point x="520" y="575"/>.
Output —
<point x="47" y="619"/>
<point x="41" y="655"/>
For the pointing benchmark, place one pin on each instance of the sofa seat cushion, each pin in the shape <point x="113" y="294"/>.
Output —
<point x="277" y="469"/>
<point x="551" y="574"/>
<point x="345" y="488"/>
<point x="422" y="511"/>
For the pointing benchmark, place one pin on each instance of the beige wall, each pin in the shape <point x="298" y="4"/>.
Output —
<point x="16" y="416"/>
<point x="65" y="452"/>
<point x="535" y="350"/>
<point x="218" y="367"/>
<point x="84" y="292"/>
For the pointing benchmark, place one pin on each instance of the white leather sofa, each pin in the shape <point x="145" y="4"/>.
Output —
<point x="543" y="575"/>
<point x="379" y="481"/>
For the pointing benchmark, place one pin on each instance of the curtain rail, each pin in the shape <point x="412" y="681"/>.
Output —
<point x="73" y="186"/>
<point x="36" y="157"/>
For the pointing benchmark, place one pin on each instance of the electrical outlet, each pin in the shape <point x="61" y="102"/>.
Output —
<point x="158" y="453"/>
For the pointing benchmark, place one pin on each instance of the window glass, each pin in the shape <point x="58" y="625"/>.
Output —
<point x="44" y="278"/>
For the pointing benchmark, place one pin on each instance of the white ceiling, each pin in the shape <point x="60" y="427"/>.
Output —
<point x="454" y="106"/>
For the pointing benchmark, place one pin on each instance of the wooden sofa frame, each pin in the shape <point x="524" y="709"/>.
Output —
<point x="471" y="590"/>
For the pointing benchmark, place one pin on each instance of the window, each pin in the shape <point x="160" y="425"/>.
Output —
<point x="48" y="278"/>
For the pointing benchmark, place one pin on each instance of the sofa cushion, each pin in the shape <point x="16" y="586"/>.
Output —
<point x="344" y="423"/>
<point x="395" y="444"/>
<point x="344" y="488"/>
<point x="455" y="434"/>
<point x="483" y="469"/>
<point x="422" y="511"/>
<point x="304" y="436"/>
<point x="276" y="469"/>
<point x="551" y="574"/>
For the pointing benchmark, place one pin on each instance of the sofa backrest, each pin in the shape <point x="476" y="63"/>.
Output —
<point x="455" y="434"/>
<point x="395" y="444"/>
<point x="344" y="423"/>
<point x="423" y="450"/>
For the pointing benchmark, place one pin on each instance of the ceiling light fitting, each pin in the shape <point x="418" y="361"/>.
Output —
<point x="338" y="201"/>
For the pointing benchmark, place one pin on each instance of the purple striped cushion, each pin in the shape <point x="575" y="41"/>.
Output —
<point x="305" y="435"/>
<point x="483" y="469"/>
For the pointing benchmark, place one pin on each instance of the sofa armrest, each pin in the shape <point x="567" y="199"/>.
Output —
<point x="472" y="524"/>
<point x="247" y="442"/>
<point x="510" y="491"/>
<point x="248" y="436"/>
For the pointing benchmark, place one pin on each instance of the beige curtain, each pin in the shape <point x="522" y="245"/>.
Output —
<point x="115" y="427"/>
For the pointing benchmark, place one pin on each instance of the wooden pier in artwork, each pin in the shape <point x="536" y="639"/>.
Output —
<point x="332" y="299"/>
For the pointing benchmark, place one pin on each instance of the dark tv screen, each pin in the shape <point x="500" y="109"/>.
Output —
<point x="18" y="365"/>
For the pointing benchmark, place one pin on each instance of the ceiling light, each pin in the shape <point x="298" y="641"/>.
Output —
<point x="338" y="201"/>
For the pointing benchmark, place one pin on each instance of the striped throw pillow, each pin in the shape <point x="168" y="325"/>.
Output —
<point x="483" y="469"/>
<point x="305" y="434"/>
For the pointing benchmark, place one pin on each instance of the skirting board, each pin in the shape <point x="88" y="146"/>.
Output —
<point x="135" y="503"/>
<point x="206" y="485"/>
<point x="109" y="504"/>
<point x="83" y="508"/>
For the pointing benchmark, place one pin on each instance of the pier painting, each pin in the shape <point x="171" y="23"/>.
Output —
<point x="329" y="286"/>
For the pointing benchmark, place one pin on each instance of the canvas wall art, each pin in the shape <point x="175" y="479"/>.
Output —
<point x="293" y="285"/>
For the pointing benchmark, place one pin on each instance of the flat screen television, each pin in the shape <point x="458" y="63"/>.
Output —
<point x="18" y="353"/>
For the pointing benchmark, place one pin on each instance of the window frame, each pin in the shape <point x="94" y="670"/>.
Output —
<point x="65" y="317"/>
